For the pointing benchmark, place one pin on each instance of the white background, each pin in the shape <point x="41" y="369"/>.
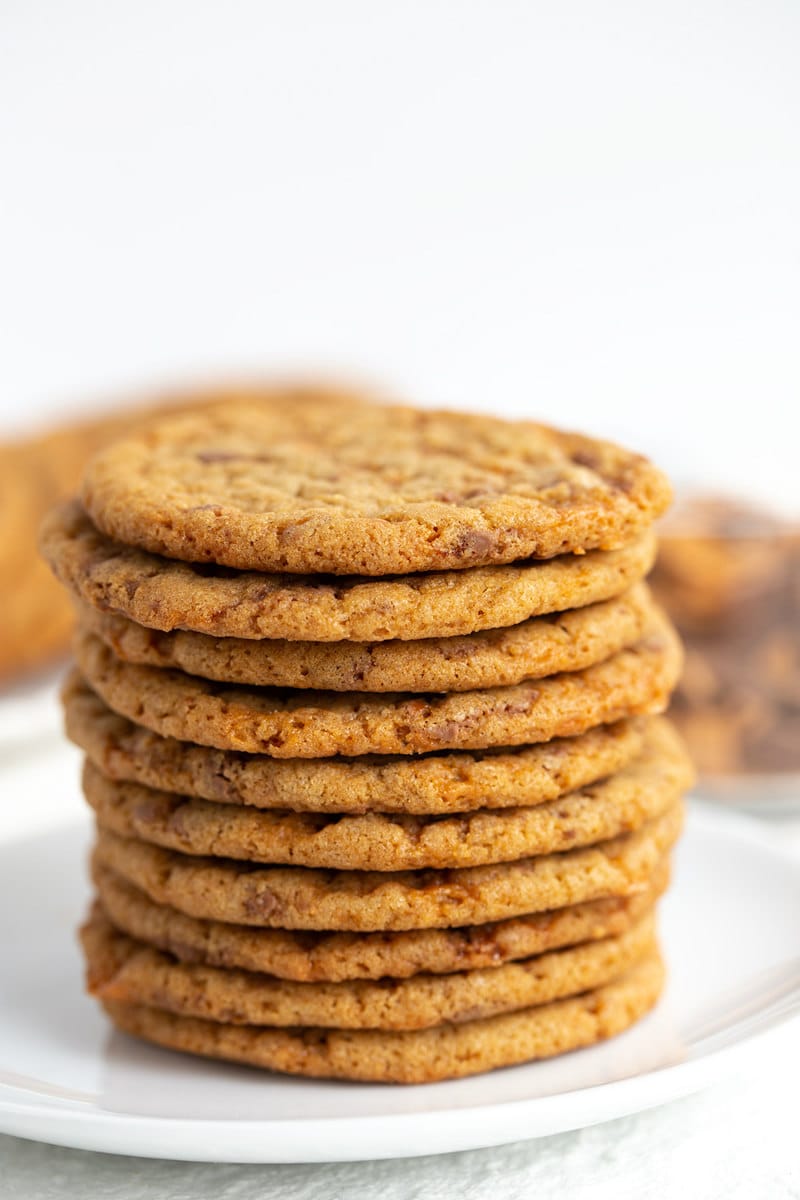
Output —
<point x="583" y="211"/>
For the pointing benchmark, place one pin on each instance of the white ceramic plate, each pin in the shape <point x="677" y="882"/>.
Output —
<point x="731" y="938"/>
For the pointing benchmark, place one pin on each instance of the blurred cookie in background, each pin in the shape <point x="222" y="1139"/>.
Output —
<point x="729" y="574"/>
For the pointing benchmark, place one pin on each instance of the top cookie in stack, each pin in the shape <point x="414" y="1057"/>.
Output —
<point x="388" y="676"/>
<point x="375" y="491"/>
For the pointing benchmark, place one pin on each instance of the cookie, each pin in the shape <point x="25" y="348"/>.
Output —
<point x="380" y="842"/>
<point x="165" y="594"/>
<point x="37" y="615"/>
<point x="130" y="972"/>
<point x="38" y="471"/>
<point x="366" y="901"/>
<point x="422" y="1056"/>
<point x="298" y="724"/>
<point x="381" y="492"/>
<point x="433" y="783"/>
<point x="332" y="957"/>
<point x="533" y="649"/>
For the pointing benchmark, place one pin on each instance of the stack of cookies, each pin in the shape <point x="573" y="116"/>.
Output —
<point x="369" y="699"/>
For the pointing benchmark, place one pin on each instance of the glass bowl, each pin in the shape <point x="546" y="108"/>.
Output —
<point x="728" y="573"/>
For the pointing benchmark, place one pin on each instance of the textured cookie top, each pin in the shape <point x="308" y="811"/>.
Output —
<point x="164" y="594"/>
<point x="533" y="649"/>
<point x="447" y="1051"/>
<point x="449" y="782"/>
<point x="390" y="842"/>
<point x="374" y="491"/>
<point x="286" y="723"/>
<point x="311" y="957"/>
<point x="280" y="897"/>
<point x="131" y="972"/>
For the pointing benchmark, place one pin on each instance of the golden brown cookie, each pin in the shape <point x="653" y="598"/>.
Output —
<point x="363" y="901"/>
<point x="533" y="649"/>
<point x="432" y="783"/>
<point x="39" y="470"/>
<point x="380" y="492"/>
<point x="421" y="1056"/>
<point x="130" y="972"/>
<point x="166" y="594"/>
<point x="37" y="615"/>
<point x="382" y="842"/>
<point x="299" y="724"/>
<point x="332" y="957"/>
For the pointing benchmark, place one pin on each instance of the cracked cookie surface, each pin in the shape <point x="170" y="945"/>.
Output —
<point x="535" y="648"/>
<point x="422" y="1056"/>
<point x="449" y="782"/>
<point x="308" y="957"/>
<point x="300" y="724"/>
<point x="365" y="901"/>
<point x="122" y="969"/>
<point x="166" y="594"/>
<point x="380" y="842"/>
<point x="378" y="491"/>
